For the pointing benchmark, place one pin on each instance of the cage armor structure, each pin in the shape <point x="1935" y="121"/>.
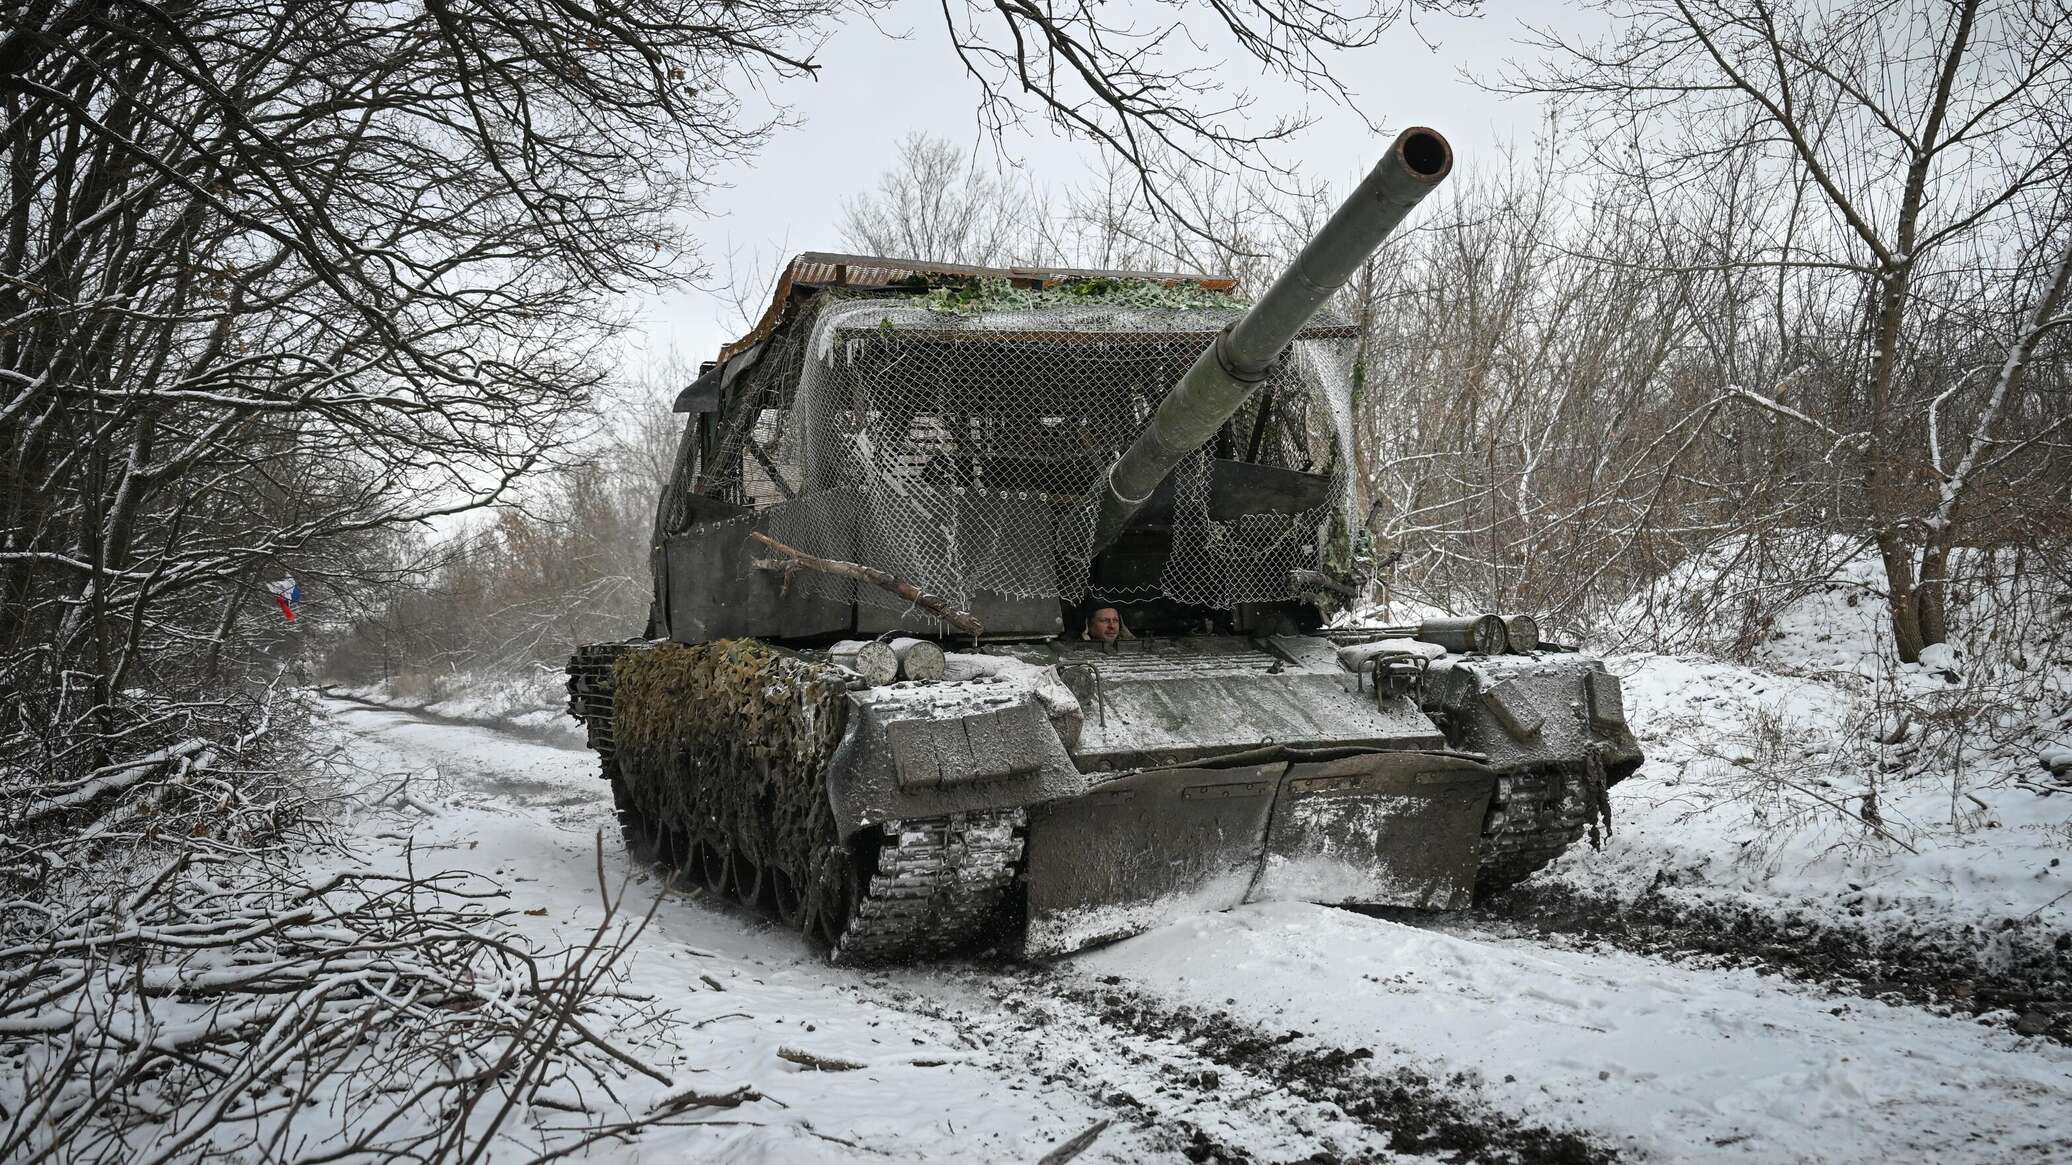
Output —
<point x="866" y="702"/>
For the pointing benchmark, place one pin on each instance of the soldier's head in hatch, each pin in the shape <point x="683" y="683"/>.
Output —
<point x="1104" y="625"/>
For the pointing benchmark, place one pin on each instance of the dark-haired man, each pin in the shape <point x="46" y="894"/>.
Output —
<point x="1104" y="625"/>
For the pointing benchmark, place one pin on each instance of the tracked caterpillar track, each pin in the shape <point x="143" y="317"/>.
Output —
<point x="1535" y="816"/>
<point x="590" y="697"/>
<point x="938" y="886"/>
<point x="764" y="835"/>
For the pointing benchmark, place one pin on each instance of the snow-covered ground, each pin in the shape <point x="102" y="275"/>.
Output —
<point x="529" y="815"/>
<point x="1754" y="783"/>
<point x="1676" y="1064"/>
<point x="1753" y="797"/>
<point x="1184" y="1038"/>
<point x="533" y="701"/>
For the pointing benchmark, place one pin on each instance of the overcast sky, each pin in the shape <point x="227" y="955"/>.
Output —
<point x="874" y="89"/>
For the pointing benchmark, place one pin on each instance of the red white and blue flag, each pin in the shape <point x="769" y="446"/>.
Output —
<point x="286" y="593"/>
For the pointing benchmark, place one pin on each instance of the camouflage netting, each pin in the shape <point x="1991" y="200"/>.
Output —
<point x="725" y="736"/>
<point x="959" y="440"/>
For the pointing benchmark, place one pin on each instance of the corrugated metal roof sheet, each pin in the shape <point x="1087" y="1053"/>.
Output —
<point x="814" y="270"/>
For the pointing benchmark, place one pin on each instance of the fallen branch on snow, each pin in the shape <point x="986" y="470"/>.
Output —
<point x="217" y="1010"/>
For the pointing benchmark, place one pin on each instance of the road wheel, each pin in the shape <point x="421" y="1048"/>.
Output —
<point x="751" y="883"/>
<point x="836" y="890"/>
<point x="716" y="866"/>
<point x="784" y="894"/>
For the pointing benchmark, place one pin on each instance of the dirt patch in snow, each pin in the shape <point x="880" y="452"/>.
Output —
<point x="1175" y="1099"/>
<point x="1418" y="1114"/>
<point x="2018" y="975"/>
<point x="1214" y="1089"/>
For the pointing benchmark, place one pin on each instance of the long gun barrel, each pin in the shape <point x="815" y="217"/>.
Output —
<point x="1224" y="376"/>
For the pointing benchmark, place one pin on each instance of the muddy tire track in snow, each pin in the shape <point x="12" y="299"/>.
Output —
<point x="1217" y="1090"/>
<point x="2019" y="976"/>
<point x="1416" y="1114"/>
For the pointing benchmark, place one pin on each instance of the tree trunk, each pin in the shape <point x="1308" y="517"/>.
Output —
<point x="1930" y="596"/>
<point x="1902" y="601"/>
<point x="212" y="663"/>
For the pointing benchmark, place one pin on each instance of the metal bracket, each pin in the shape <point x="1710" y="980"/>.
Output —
<point x="1226" y="359"/>
<point x="1394" y="675"/>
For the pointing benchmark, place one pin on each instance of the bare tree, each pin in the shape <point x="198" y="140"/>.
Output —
<point x="934" y="205"/>
<point x="276" y="284"/>
<point x="275" y="281"/>
<point x="1510" y="400"/>
<point x="563" y="561"/>
<point x="1206" y="220"/>
<point x="1147" y="95"/>
<point x="1901" y="171"/>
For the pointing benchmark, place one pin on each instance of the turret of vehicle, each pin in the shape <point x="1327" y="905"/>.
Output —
<point x="989" y="609"/>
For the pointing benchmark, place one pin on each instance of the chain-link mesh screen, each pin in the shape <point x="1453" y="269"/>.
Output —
<point x="965" y="453"/>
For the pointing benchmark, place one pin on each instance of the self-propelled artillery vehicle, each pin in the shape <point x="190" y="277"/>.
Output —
<point x="874" y="697"/>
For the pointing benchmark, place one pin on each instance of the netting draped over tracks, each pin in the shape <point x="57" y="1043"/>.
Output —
<point x="965" y="451"/>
